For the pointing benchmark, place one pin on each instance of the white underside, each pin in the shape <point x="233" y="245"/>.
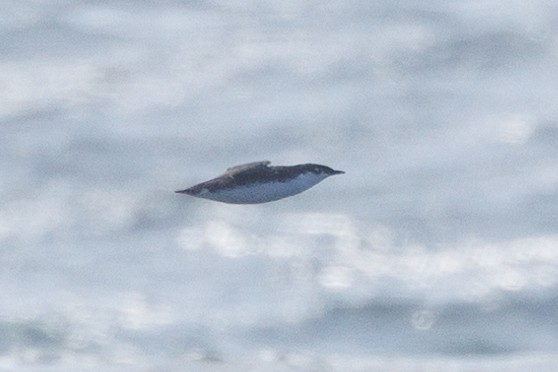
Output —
<point x="262" y="193"/>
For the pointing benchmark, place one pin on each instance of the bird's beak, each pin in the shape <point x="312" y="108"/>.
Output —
<point x="338" y="172"/>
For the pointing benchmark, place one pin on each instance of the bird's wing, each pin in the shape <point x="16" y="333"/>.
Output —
<point x="247" y="168"/>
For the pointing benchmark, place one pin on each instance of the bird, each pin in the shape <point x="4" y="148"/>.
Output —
<point x="258" y="182"/>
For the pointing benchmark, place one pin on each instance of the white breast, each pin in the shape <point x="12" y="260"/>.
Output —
<point x="265" y="192"/>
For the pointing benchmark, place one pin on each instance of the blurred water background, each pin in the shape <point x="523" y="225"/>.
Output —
<point x="436" y="251"/>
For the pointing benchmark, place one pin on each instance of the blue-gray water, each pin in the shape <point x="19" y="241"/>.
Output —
<point x="436" y="251"/>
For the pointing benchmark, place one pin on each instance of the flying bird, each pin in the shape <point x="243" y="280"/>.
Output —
<point x="259" y="182"/>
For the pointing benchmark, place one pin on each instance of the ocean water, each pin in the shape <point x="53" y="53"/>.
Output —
<point x="436" y="251"/>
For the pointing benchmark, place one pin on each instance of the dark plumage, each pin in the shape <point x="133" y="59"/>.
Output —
<point x="258" y="182"/>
